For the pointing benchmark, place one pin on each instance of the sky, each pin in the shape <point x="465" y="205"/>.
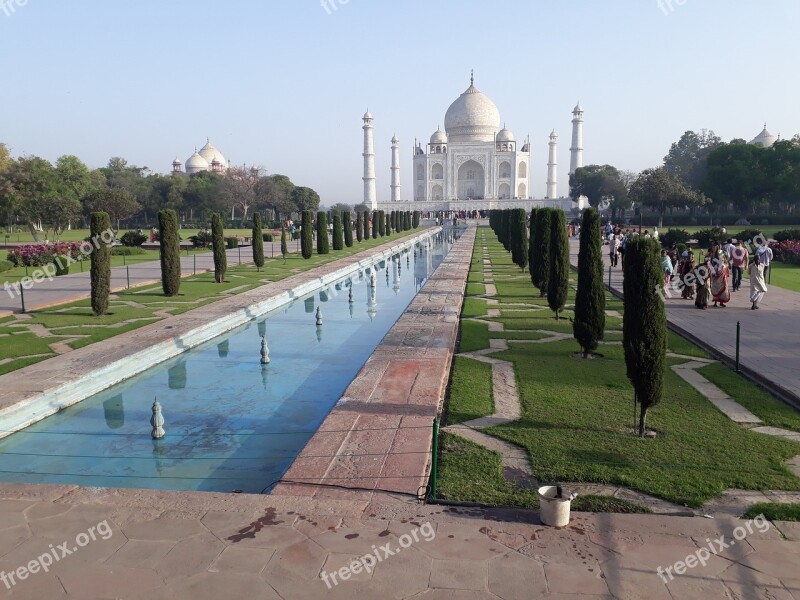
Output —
<point x="283" y="84"/>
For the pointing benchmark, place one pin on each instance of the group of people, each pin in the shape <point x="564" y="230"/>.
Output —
<point x="717" y="273"/>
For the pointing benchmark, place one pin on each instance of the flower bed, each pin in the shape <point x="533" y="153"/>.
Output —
<point x="787" y="251"/>
<point x="39" y="255"/>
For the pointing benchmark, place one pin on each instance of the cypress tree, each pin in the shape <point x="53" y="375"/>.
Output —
<point x="415" y="219"/>
<point x="519" y="237"/>
<point x="347" y="223"/>
<point x="306" y="234"/>
<point x="408" y="220"/>
<point x="323" y="244"/>
<point x="531" y="241"/>
<point x="588" y="326"/>
<point x="169" y="252"/>
<point x="393" y="220"/>
<point x="381" y="223"/>
<point x="542" y="266"/>
<point x="338" y="234"/>
<point x="387" y="223"/>
<point x="100" y="269"/>
<point x="359" y="226"/>
<point x="218" y="242"/>
<point x="258" y="242"/>
<point x="284" y="246"/>
<point x="644" y="328"/>
<point x="365" y="224"/>
<point x="375" y="224"/>
<point x="505" y="229"/>
<point x="558" y="284"/>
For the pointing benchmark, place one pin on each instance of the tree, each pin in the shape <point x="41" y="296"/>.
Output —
<point x="381" y="223"/>
<point x="347" y="224"/>
<point x="218" y="243"/>
<point x="359" y="226"/>
<point x="32" y="183"/>
<point x="340" y="207"/>
<point x="558" y="283"/>
<point x="284" y="245"/>
<point x="274" y="193"/>
<point x="306" y="234"/>
<point x="100" y="258"/>
<point x="532" y="242"/>
<point x="338" y="234"/>
<point x="597" y="183"/>
<point x="323" y="244"/>
<point x="505" y="229"/>
<point x="542" y="242"/>
<point x="387" y="226"/>
<point x="365" y="224"/>
<point x="305" y="198"/>
<point x="519" y="238"/>
<point x="687" y="158"/>
<point x="118" y="203"/>
<point x="415" y="220"/>
<point x="738" y="175"/>
<point x="74" y="176"/>
<point x="258" y="242"/>
<point x="169" y="252"/>
<point x="588" y="326"/>
<point x="375" y="224"/>
<point x="238" y="188"/>
<point x="644" y="328"/>
<point x="661" y="191"/>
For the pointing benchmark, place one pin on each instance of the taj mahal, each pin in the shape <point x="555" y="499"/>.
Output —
<point x="473" y="164"/>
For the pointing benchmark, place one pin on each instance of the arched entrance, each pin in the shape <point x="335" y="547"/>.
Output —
<point x="471" y="180"/>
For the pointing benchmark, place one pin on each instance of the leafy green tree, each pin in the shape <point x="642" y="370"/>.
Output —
<point x="597" y="182"/>
<point x="519" y="238"/>
<point x="218" y="244"/>
<point x="305" y="198"/>
<point x="588" y="326"/>
<point x="338" y="234"/>
<point x="284" y="245"/>
<point x="118" y="203"/>
<point x="644" y="328"/>
<point x="558" y="283"/>
<point x="359" y="226"/>
<point x="738" y="175"/>
<point x="307" y="234"/>
<point x="100" y="258"/>
<point x="543" y="243"/>
<point x="258" y="241"/>
<point x="687" y="158"/>
<point x="347" y="224"/>
<point x="169" y="252"/>
<point x="661" y="191"/>
<point x="274" y="193"/>
<point x="323" y="244"/>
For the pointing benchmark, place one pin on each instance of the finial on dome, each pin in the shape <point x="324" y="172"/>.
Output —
<point x="208" y="140"/>
<point x="472" y="76"/>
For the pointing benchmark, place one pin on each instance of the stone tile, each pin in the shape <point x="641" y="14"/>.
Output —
<point x="346" y="568"/>
<point x="775" y="564"/>
<point x="575" y="578"/>
<point x="11" y="538"/>
<point x="190" y="556"/>
<point x="139" y="553"/>
<point x="215" y="586"/>
<point x="101" y="581"/>
<point x="456" y="541"/>
<point x="456" y="595"/>
<point x="746" y="584"/>
<point x="513" y="576"/>
<point x="301" y="561"/>
<point x="459" y="574"/>
<point x="40" y="586"/>
<point x="163" y="528"/>
<point x="790" y="529"/>
<point x="636" y="583"/>
<point x="242" y="560"/>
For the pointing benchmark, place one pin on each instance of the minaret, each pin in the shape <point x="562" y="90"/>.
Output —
<point x="576" y="159"/>
<point x="370" y="196"/>
<point x="552" y="167"/>
<point x="395" y="169"/>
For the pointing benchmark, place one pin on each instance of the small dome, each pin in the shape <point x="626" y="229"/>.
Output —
<point x="505" y="135"/>
<point x="196" y="163"/>
<point x="367" y="115"/>
<point x="210" y="153"/>
<point x="177" y="162"/>
<point x="577" y="108"/>
<point x="394" y="139"/>
<point x="439" y="137"/>
<point x="765" y="138"/>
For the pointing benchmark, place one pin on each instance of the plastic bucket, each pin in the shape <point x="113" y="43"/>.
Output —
<point x="554" y="511"/>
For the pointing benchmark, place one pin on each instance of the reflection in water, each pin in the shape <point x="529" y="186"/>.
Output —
<point x="309" y="302"/>
<point x="319" y="333"/>
<point x="177" y="375"/>
<point x="114" y="412"/>
<point x="323" y="295"/>
<point x="223" y="348"/>
<point x="262" y="329"/>
<point x="264" y="372"/>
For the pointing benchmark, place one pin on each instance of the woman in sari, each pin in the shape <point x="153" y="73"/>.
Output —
<point x="687" y="267"/>
<point x="702" y="277"/>
<point x="720" y="275"/>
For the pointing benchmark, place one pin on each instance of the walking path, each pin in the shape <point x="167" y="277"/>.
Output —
<point x="769" y="337"/>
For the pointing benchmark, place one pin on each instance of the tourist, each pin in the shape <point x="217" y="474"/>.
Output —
<point x="720" y="274"/>
<point x="622" y="245"/>
<point x="727" y="247"/>
<point x="702" y="285"/>
<point x="764" y="254"/>
<point x="613" y="250"/>
<point x="739" y="259"/>
<point x="758" y="287"/>
<point x="687" y="267"/>
<point x="669" y="270"/>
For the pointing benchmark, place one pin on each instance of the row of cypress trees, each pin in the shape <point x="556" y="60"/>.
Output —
<point x="547" y="255"/>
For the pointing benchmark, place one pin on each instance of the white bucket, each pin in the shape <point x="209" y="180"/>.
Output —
<point x="554" y="511"/>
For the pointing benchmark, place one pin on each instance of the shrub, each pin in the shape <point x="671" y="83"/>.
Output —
<point x="100" y="270"/>
<point x="39" y="255"/>
<point x="127" y="251"/>
<point x="170" y="252"/>
<point x="267" y="236"/>
<point x="347" y="224"/>
<point x="6" y="265"/>
<point x="258" y="241"/>
<point x="747" y="235"/>
<point x="338" y="234"/>
<point x="323" y="244"/>
<point x="220" y="258"/>
<point x="231" y="243"/>
<point x="558" y="284"/>
<point x="589" y="323"/>
<point x="706" y="237"/>
<point x="674" y="236"/>
<point x="203" y="239"/>
<point x="307" y="234"/>
<point x="787" y="251"/>
<point x="62" y="265"/>
<point x="359" y="226"/>
<point x="132" y="238"/>
<point x="787" y="234"/>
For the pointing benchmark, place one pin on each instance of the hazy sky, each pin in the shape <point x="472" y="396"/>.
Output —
<point x="284" y="83"/>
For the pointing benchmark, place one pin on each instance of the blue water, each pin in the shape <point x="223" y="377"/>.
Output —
<point x="231" y="423"/>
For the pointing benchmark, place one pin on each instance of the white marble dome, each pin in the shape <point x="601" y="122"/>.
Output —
<point x="505" y="135"/>
<point x="473" y="117"/>
<point x="210" y="153"/>
<point x="439" y="137"/>
<point x="765" y="138"/>
<point x="196" y="163"/>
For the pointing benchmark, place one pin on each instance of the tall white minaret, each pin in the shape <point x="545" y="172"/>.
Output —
<point x="576" y="159"/>
<point x="552" y="167"/>
<point x="395" y="169"/>
<point x="370" y="195"/>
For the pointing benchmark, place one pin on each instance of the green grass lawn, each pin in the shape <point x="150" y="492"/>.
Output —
<point x="577" y="419"/>
<point x="774" y="511"/>
<point x="76" y="235"/>
<point x="782" y="275"/>
<point x="138" y="306"/>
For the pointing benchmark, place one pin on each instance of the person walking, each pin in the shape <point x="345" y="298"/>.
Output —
<point x="702" y="279"/>
<point x="758" y="286"/>
<point x="764" y="254"/>
<point x="739" y="259"/>
<point x="613" y="250"/>
<point x="687" y="267"/>
<point x="669" y="270"/>
<point x="720" y="276"/>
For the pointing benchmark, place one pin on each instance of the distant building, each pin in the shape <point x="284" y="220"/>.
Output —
<point x="765" y="138"/>
<point x="208" y="158"/>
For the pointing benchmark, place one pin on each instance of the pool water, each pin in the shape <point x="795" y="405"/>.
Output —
<point x="232" y="424"/>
